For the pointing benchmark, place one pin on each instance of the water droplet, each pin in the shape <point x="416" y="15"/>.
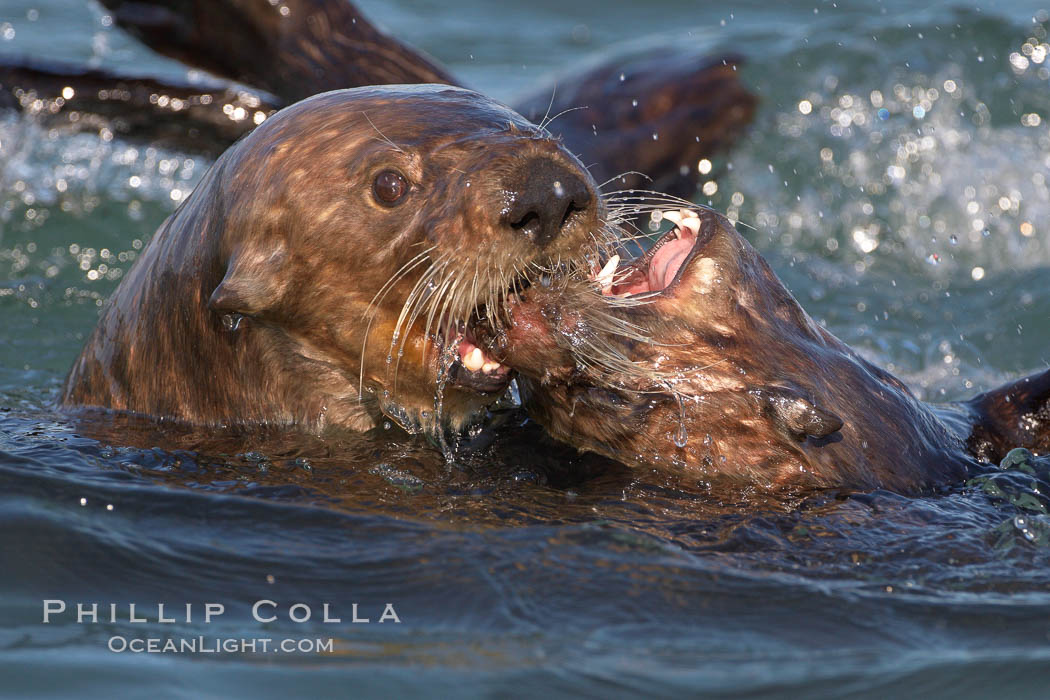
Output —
<point x="681" y="437"/>
<point x="954" y="239"/>
<point x="933" y="259"/>
<point x="389" y="359"/>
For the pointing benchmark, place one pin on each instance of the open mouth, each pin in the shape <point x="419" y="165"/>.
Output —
<point x="473" y="368"/>
<point x="655" y="272"/>
<point x="661" y="266"/>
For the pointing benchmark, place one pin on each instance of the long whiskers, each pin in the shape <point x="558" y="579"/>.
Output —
<point x="373" y="306"/>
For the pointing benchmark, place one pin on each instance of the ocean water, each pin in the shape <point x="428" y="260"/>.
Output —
<point x="897" y="178"/>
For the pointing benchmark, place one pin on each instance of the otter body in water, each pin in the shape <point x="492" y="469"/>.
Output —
<point x="328" y="267"/>
<point x="732" y="381"/>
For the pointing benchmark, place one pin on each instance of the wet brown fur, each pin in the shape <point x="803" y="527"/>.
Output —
<point x="738" y="385"/>
<point x="284" y="233"/>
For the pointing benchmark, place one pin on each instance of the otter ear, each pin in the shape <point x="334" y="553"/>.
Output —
<point x="254" y="281"/>
<point x="797" y="416"/>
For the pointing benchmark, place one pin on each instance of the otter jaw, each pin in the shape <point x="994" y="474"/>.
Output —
<point x="659" y="268"/>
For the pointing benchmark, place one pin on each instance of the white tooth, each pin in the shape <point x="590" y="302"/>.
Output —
<point x="693" y="225"/>
<point x="605" y="277"/>
<point x="474" y="360"/>
<point x="689" y="214"/>
<point x="673" y="217"/>
<point x="490" y="367"/>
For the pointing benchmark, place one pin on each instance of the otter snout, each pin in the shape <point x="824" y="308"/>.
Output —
<point x="546" y="197"/>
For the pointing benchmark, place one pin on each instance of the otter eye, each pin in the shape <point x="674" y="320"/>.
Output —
<point x="389" y="187"/>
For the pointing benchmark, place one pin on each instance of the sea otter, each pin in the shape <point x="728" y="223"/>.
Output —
<point x="695" y="357"/>
<point x="330" y="266"/>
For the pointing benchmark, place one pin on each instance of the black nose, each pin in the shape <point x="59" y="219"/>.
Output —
<point x="548" y="197"/>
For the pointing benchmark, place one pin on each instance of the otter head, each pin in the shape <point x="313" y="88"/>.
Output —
<point x="691" y="355"/>
<point x="373" y="228"/>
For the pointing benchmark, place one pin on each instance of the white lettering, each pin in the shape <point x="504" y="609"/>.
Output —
<point x="211" y="609"/>
<point x="303" y="606"/>
<point x="82" y="612"/>
<point x="53" y="607"/>
<point x="131" y="615"/>
<point x="259" y="604"/>
<point x="324" y="608"/>
<point x="390" y="614"/>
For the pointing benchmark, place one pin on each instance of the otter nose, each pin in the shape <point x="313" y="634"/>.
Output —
<point x="548" y="198"/>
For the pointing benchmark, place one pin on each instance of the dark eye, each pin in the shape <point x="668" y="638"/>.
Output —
<point x="390" y="187"/>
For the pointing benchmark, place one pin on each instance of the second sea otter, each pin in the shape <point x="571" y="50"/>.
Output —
<point x="695" y="357"/>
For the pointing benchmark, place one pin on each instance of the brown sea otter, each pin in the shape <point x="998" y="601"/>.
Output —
<point x="329" y="267"/>
<point x="695" y="357"/>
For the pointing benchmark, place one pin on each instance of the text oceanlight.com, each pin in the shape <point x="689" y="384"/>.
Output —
<point x="220" y="645"/>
